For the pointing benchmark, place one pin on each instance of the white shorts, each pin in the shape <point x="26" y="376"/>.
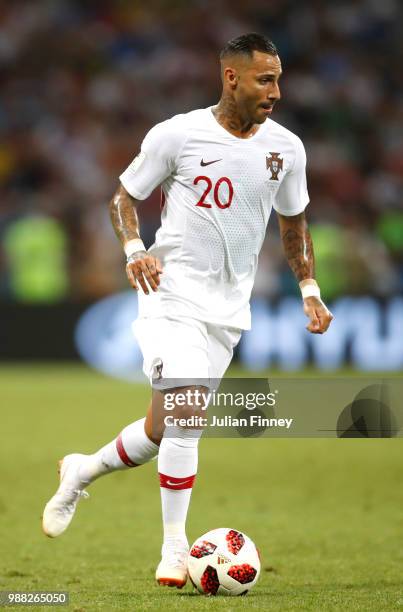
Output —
<point x="184" y="349"/>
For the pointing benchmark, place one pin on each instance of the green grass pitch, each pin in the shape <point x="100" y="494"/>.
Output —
<point x="326" y="514"/>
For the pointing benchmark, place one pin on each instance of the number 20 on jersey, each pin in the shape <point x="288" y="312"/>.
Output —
<point x="217" y="192"/>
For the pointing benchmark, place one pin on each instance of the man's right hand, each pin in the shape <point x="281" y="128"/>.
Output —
<point x="141" y="267"/>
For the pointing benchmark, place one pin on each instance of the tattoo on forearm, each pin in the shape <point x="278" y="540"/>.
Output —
<point x="298" y="250"/>
<point x="124" y="216"/>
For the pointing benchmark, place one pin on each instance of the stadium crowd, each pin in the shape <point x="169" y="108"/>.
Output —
<point x="82" y="82"/>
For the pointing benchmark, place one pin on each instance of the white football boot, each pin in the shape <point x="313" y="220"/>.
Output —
<point x="173" y="568"/>
<point x="60" y="509"/>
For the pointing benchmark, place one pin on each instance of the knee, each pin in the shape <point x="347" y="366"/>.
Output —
<point x="182" y="436"/>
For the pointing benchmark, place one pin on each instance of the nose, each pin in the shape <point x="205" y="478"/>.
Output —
<point x="274" y="93"/>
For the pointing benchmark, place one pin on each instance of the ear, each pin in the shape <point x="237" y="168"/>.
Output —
<point x="230" y="76"/>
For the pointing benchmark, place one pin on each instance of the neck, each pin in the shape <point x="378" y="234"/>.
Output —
<point x="227" y="115"/>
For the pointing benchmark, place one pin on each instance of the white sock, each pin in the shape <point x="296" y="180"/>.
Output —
<point x="177" y="467"/>
<point x="132" y="447"/>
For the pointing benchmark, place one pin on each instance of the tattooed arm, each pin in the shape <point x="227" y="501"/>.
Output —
<point x="297" y="244"/>
<point x="298" y="249"/>
<point x="140" y="266"/>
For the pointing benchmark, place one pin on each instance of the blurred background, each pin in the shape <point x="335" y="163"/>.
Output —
<point x="81" y="84"/>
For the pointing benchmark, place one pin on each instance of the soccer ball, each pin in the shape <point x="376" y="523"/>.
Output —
<point x="225" y="562"/>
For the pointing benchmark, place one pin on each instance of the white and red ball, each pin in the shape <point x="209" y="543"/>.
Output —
<point x="223" y="562"/>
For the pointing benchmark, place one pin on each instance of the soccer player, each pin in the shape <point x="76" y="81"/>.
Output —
<point x="222" y="169"/>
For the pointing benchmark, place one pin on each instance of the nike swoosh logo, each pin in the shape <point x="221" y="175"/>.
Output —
<point x="203" y="163"/>
<point x="176" y="484"/>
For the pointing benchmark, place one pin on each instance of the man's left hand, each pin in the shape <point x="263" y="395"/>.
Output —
<point x="319" y="315"/>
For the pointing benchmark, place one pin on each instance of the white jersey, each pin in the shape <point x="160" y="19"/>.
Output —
<point x="218" y="191"/>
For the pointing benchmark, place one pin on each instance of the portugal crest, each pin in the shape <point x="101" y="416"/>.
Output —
<point x="274" y="164"/>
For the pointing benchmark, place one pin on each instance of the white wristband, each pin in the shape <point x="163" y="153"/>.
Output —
<point x="133" y="246"/>
<point x="309" y="288"/>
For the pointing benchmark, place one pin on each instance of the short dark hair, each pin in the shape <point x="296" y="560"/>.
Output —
<point x="247" y="44"/>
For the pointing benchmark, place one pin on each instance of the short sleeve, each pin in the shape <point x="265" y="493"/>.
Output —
<point x="292" y="196"/>
<point x="155" y="162"/>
